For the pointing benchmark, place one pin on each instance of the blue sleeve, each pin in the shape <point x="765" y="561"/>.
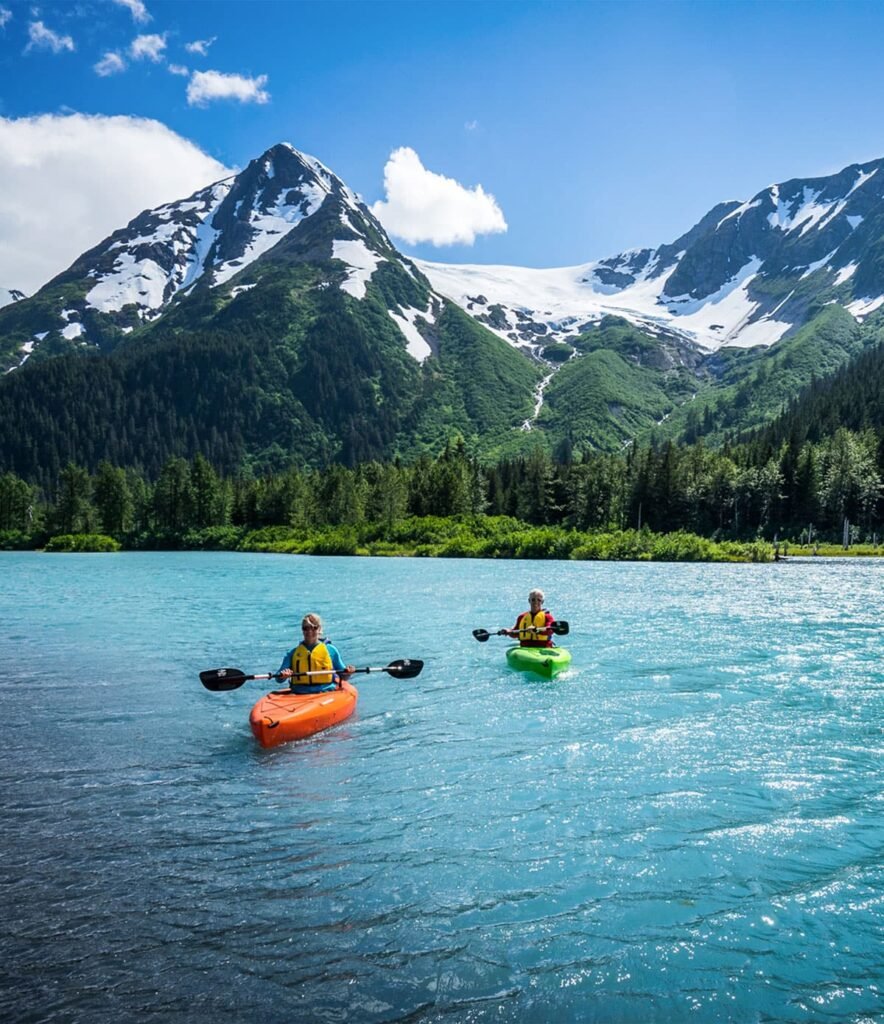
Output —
<point x="338" y="664"/>
<point x="286" y="661"/>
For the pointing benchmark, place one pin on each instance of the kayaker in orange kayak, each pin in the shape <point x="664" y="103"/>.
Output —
<point x="529" y="625"/>
<point x="315" y="665"/>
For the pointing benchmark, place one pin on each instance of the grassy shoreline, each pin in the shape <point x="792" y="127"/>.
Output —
<point x="450" y="537"/>
<point x="426" y="537"/>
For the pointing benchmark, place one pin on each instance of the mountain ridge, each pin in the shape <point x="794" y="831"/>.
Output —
<point x="740" y="276"/>
<point x="367" y="353"/>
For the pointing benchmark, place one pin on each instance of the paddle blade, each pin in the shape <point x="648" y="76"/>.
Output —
<point x="219" y="679"/>
<point x="561" y="628"/>
<point x="481" y="635"/>
<point x="405" y="668"/>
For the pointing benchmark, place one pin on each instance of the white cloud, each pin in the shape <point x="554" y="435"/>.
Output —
<point x="200" y="46"/>
<point x="110" y="64"/>
<point x="43" y="38"/>
<point x="422" y="206"/>
<point x="139" y="11"/>
<point x="5" y="15"/>
<point x="206" y="86"/>
<point x="471" y="126"/>
<point x="69" y="182"/>
<point x="150" y="47"/>
<point x="178" y="69"/>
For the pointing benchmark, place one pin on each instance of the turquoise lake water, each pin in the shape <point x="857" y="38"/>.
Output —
<point x="686" y="826"/>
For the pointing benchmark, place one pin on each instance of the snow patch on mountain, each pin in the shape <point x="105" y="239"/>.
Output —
<point x="184" y="234"/>
<point x="862" y="307"/>
<point x="328" y="178"/>
<point x="811" y="267"/>
<point x="862" y="178"/>
<point x="740" y="210"/>
<point x="808" y="212"/>
<point x="845" y="273"/>
<point x="139" y="282"/>
<point x="405" y="318"/>
<point x="270" y="226"/>
<point x="567" y="300"/>
<point x="361" y="263"/>
<point x="26" y="351"/>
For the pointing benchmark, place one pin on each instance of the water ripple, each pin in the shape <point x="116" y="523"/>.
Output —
<point x="685" y="826"/>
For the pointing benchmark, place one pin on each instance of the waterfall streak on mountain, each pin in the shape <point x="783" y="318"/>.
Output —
<point x="538" y="401"/>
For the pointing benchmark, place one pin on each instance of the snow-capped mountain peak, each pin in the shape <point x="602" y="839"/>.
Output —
<point x="284" y="206"/>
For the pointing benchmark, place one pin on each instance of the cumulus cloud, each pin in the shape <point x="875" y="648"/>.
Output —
<point x="422" y="206"/>
<point x="206" y="86"/>
<point x="178" y="69"/>
<point x="5" y="15"/>
<point x="42" y="38"/>
<point x="139" y="11"/>
<point x="110" y="64"/>
<point x="70" y="181"/>
<point x="200" y="46"/>
<point x="148" y="47"/>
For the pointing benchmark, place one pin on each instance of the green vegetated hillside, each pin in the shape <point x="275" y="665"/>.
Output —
<point x="744" y="389"/>
<point x="620" y="383"/>
<point x="476" y="386"/>
<point x="623" y="384"/>
<point x="304" y="376"/>
<point x="850" y="399"/>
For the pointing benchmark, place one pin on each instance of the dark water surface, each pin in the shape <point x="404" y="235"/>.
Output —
<point x="687" y="826"/>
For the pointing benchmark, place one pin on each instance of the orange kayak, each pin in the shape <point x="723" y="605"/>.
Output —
<point x="282" y="716"/>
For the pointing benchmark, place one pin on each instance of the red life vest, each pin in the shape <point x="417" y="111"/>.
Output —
<point x="528" y="625"/>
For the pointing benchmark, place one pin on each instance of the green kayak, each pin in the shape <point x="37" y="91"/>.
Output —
<point x="545" y="661"/>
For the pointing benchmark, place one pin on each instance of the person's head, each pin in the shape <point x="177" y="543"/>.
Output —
<point x="535" y="599"/>
<point x="311" y="627"/>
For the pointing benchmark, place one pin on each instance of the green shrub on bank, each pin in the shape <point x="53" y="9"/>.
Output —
<point x="745" y="551"/>
<point x="14" y="540"/>
<point x="281" y="539"/>
<point x="617" y="546"/>
<point x="501" y="537"/>
<point x="340" y="541"/>
<point x="213" y="538"/>
<point x="82" y="542"/>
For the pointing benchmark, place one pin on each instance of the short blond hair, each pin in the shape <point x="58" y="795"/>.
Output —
<point x="311" y="619"/>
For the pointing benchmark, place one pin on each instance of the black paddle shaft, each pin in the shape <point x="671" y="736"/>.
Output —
<point x="223" y="679"/>
<point x="559" y="628"/>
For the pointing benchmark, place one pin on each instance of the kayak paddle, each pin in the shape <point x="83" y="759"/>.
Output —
<point x="559" y="628"/>
<point x="219" y="679"/>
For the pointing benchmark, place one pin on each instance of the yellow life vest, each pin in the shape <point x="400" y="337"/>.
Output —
<point x="528" y="626"/>
<point x="317" y="660"/>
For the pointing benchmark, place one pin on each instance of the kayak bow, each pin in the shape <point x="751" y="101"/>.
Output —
<point x="282" y="716"/>
<point x="544" y="661"/>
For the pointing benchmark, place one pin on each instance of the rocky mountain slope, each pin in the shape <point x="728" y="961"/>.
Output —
<point x="8" y="295"/>
<point x="747" y="274"/>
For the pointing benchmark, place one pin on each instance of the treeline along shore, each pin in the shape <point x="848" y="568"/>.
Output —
<point x="743" y="503"/>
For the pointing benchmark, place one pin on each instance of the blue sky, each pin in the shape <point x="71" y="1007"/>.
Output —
<point x="595" y="126"/>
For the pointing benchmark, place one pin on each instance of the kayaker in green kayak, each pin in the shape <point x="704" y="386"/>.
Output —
<point x="534" y="627"/>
